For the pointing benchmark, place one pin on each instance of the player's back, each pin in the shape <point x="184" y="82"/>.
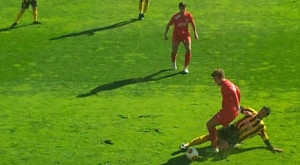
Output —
<point x="228" y="89"/>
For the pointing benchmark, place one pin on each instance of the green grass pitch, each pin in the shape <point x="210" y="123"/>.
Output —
<point x="92" y="86"/>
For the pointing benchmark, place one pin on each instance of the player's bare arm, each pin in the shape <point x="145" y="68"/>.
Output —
<point x="246" y="111"/>
<point x="195" y="30"/>
<point x="166" y="31"/>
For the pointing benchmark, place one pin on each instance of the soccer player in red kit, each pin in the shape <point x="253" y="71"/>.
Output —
<point x="230" y="106"/>
<point x="181" y="33"/>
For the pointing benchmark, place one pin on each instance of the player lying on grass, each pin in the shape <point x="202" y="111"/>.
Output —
<point x="247" y="127"/>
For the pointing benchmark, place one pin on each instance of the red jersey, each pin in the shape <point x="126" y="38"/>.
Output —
<point x="181" y="23"/>
<point x="231" y="95"/>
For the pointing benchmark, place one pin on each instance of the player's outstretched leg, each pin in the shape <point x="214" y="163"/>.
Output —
<point x="196" y="141"/>
<point x="18" y="18"/>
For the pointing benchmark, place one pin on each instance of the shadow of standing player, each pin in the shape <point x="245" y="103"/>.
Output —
<point x="92" y="31"/>
<point x="10" y="28"/>
<point x="121" y="83"/>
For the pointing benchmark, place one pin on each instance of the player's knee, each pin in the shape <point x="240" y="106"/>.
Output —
<point x="188" y="51"/>
<point x="210" y="124"/>
<point x="174" y="53"/>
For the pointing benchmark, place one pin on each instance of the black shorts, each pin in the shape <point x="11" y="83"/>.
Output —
<point x="229" y="134"/>
<point x="25" y="5"/>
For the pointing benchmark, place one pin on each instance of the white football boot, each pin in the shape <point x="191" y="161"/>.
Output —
<point x="186" y="70"/>
<point x="174" y="66"/>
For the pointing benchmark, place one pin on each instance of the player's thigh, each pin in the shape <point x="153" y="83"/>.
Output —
<point x="33" y="4"/>
<point x="224" y="117"/>
<point x="25" y="5"/>
<point x="23" y="10"/>
<point x="187" y="44"/>
<point x="212" y="122"/>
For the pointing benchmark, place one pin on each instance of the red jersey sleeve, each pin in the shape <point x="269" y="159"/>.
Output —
<point x="191" y="19"/>
<point x="172" y="20"/>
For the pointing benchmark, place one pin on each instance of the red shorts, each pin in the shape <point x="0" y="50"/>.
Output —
<point x="181" y="38"/>
<point x="224" y="117"/>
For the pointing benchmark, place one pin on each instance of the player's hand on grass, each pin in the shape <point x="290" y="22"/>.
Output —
<point x="247" y="113"/>
<point x="276" y="150"/>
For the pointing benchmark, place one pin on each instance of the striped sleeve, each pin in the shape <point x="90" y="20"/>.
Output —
<point x="265" y="138"/>
<point x="263" y="134"/>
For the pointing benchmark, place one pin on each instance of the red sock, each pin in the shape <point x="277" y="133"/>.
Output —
<point x="188" y="57"/>
<point x="213" y="136"/>
<point x="173" y="56"/>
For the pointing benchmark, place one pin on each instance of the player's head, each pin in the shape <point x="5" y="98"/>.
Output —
<point x="182" y="7"/>
<point x="218" y="75"/>
<point x="264" y="112"/>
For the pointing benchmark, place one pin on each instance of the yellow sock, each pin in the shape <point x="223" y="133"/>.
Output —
<point x="34" y="14"/>
<point x="141" y="6"/>
<point x="19" y="17"/>
<point x="146" y="5"/>
<point x="198" y="140"/>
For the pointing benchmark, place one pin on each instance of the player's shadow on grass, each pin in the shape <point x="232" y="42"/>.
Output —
<point x="92" y="31"/>
<point x="17" y="27"/>
<point x="204" y="155"/>
<point x="121" y="83"/>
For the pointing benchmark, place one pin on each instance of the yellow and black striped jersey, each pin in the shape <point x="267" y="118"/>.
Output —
<point x="250" y="126"/>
